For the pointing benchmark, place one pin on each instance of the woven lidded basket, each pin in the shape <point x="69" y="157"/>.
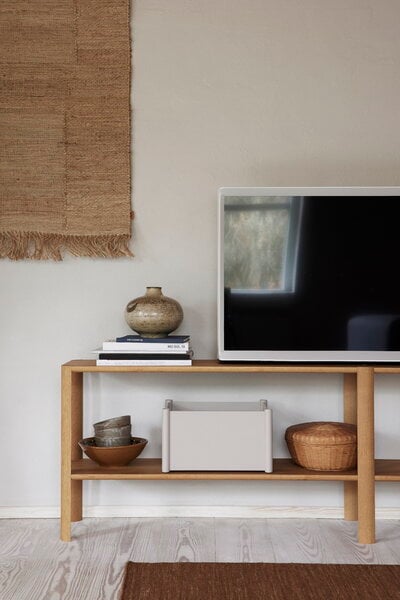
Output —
<point x="323" y="445"/>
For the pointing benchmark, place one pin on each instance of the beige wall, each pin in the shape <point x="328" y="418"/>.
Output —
<point x="225" y="93"/>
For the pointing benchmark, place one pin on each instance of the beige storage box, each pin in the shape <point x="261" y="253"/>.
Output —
<point x="217" y="436"/>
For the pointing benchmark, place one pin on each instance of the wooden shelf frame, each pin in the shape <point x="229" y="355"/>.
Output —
<point x="358" y="408"/>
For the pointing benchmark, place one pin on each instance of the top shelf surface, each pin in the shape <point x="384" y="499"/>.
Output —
<point x="215" y="366"/>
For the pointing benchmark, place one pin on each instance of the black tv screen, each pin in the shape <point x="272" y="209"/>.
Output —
<point x="309" y="274"/>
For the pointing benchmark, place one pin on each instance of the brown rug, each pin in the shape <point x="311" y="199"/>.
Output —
<point x="259" y="581"/>
<point x="64" y="128"/>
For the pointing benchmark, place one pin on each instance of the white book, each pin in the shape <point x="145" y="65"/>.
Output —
<point x="142" y="363"/>
<point x="151" y="347"/>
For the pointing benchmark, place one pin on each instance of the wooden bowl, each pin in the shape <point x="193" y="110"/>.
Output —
<point x="113" y="456"/>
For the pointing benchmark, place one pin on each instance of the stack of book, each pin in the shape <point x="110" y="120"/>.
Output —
<point x="135" y="350"/>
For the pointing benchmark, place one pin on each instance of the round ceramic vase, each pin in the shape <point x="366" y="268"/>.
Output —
<point x="153" y="315"/>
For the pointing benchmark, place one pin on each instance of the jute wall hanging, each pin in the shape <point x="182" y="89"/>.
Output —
<point x="64" y="128"/>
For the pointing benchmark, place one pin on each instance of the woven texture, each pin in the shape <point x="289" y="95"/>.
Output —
<point x="257" y="581"/>
<point x="323" y="445"/>
<point x="64" y="128"/>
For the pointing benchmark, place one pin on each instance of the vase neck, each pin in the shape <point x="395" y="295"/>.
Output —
<point x="153" y="291"/>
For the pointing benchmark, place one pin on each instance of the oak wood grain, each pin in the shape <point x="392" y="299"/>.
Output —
<point x="71" y="433"/>
<point x="365" y="455"/>
<point x="213" y="366"/>
<point x="350" y="416"/>
<point x="150" y="468"/>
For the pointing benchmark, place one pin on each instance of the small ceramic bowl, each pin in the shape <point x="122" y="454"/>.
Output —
<point x="114" y="422"/>
<point x="117" y="456"/>
<point x="121" y="440"/>
<point x="123" y="431"/>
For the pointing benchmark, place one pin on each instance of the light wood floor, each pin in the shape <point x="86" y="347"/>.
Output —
<point x="35" y="565"/>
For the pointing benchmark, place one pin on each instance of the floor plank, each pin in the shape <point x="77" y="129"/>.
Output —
<point x="343" y="546"/>
<point x="243" y="540"/>
<point x="297" y="540"/>
<point x="182" y="540"/>
<point x="35" y="565"/>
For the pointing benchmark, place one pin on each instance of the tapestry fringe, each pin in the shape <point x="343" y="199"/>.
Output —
<point x="18" y="245"/>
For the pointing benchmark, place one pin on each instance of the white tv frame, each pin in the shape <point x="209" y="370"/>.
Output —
<point x="318" y="356"/>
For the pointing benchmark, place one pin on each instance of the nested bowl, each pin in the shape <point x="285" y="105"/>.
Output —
<point x="123" y="431"/>
<point x="113" y="456"/>
<point x="116" y="441"/>
<point x="113" y="422"/>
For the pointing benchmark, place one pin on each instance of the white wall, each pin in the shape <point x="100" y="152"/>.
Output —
<point x="225" y="93"/>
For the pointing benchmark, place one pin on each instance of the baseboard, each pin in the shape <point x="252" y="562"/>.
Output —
<point x="189" y="512"/>
<point x="235" y="512"/>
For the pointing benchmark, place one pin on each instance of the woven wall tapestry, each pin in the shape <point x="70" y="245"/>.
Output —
<point x="64" y="128"/>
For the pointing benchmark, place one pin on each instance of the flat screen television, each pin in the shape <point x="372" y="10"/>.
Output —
<point x="309" y="274"/>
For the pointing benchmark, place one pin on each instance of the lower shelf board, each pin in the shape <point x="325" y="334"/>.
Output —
<point x="284" y="470"/>
<point x="150" y="468"/>
<point x="387" y="470"/>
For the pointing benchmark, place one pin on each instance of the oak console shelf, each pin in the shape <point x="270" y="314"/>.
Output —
<point x="358" y="408"/>
<point x="150" y="468"/>
<point x="284" y="470"/>
<point x="212" y="366"/>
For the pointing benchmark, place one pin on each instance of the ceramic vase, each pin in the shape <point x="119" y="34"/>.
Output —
<point x="153" y="315"/>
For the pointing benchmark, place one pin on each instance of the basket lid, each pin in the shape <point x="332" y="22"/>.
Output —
<point x="324" y="432"/>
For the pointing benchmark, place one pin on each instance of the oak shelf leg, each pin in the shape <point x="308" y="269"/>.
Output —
<point x="71" y="433"/>
<point x="350" y="416"/>
<point x="365" y="455"/>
